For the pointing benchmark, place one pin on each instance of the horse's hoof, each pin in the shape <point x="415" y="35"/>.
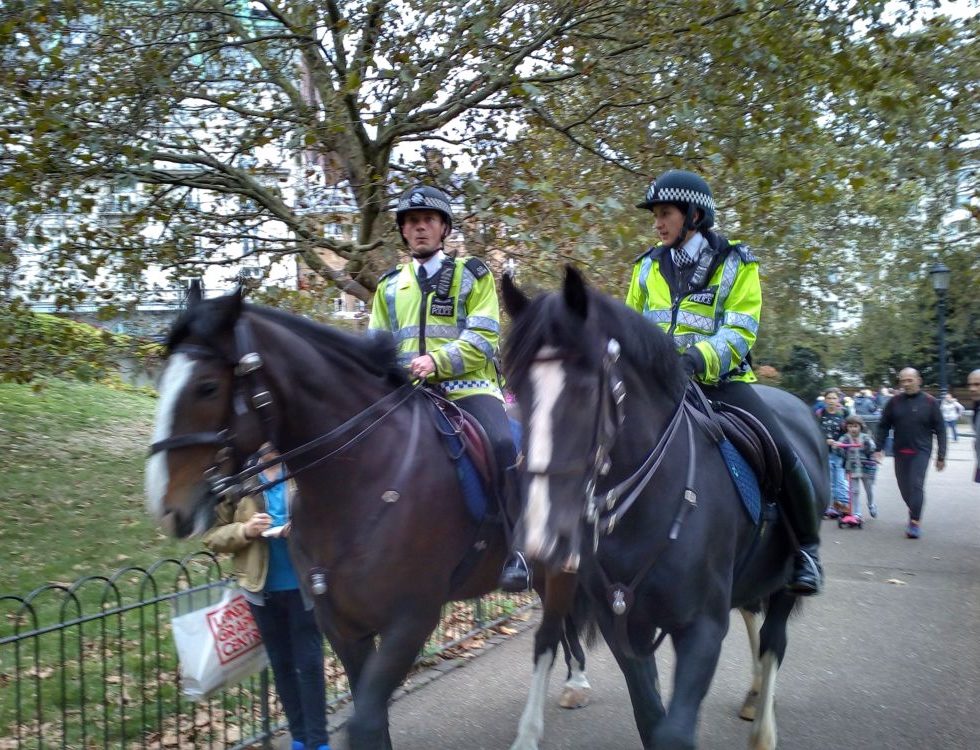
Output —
<point x="750" y="706"/>
<point x="575" y="697"/>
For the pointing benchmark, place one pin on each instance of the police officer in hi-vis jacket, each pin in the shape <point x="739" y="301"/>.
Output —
<point x="704" y="290"/>
<point x="445" y="317"/>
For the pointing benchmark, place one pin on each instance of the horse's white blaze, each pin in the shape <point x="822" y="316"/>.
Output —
<point x="172" y="382"/>
<point x="531" y="729"/>
<point x="547" y="383"/>
<point x="763" y="735"/>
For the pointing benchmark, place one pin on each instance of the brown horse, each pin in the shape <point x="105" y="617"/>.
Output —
<point x="381" y="537"/>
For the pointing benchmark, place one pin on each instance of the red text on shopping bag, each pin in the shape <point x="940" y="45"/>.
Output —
<point x="234" y="630"/>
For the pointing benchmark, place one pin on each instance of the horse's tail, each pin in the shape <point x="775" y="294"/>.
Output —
<point x="761" y="606"/>
<point x="584" y="617"/>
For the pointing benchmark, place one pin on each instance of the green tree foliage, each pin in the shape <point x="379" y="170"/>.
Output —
<point x="822" y="125"/>
<point x="803" y="373"/>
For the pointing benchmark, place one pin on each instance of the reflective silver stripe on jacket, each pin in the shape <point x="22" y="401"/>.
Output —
<point x="741" y="320"/>
<point x="723" y="342"/>
<point x="727" y="279"/>
<point x="452" y="351"/>
<point x="480" y="321"/>
<point x="391" y="286"/>
<point x="474" y="338"/>
<point x="657" y="316"/>
<point x="694" y="320"/>
<point x="645" y="265"/>
<point x="687" y="340"/>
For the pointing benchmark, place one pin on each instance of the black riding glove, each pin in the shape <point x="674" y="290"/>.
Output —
<point x="692" y="362"/>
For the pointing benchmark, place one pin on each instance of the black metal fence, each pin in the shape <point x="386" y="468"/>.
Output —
<point x="93" y="665"/>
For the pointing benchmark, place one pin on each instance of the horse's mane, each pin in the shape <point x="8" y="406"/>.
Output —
<point x="548" y="321"/>
<point x="374" y="354"/>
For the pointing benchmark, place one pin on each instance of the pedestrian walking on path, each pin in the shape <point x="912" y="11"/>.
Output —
<point x="973" y="382"/>
<point x="952" y="410"/>
<point x="915" y="417"/>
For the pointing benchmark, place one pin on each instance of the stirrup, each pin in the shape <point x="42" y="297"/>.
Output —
<point x="807" y="578"/>
<point x="516" y="575"/>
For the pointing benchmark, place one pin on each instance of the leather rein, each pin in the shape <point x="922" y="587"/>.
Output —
<point x="604" y="510"/>
<point x="250" y="394"/>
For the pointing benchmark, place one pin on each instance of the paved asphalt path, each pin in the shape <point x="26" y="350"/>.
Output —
<point x="887" y="658"/>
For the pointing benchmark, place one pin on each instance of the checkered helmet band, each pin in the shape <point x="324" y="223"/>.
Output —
<point x="657" y="194"/>
<point x="423" y="199"/>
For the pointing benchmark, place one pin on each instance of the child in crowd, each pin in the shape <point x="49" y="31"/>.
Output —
<point x="856" y="449"/>
<point x="831" y="417"/>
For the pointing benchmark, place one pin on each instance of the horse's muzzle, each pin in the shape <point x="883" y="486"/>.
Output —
<point x="192" y="517"/>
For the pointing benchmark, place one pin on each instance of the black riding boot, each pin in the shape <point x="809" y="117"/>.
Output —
<point x="799" y="504"/>
<point x="516" y="575"/>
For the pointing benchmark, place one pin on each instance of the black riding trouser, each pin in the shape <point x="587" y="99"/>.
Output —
<point x="797" y="503"/>
<point x="910" y="471"/>
<point x="489" y="412"/>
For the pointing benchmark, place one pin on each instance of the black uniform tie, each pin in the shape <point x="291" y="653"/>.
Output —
<point x="423" y="277"/>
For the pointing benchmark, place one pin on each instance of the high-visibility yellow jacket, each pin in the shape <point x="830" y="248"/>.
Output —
<point x="461" y="332"/>
<point x="719" y="319"/>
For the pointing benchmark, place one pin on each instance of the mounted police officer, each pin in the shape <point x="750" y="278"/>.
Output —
<point x="444" y="314"/>
<point x="704" y="290"/>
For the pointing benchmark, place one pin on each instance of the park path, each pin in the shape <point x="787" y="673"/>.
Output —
<point x="887" y="658"/>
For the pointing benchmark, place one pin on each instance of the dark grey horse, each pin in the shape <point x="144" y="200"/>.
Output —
<point x="623" y="485"/>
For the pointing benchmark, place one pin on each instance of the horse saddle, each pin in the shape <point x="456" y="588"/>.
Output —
<point x="469" y="448"/>
<point x="747" y="435"/>
<point x="475" y="443"/>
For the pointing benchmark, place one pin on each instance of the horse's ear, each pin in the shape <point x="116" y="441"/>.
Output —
<point x="576" y="292"/>
<point x="515" y="301"/>
<point x="194" y="295"/>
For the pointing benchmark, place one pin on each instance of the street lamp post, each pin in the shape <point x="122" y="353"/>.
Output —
<point x="940" y="283"/>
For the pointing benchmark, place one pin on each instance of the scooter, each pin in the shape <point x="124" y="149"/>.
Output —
<point x="849" y="518"/>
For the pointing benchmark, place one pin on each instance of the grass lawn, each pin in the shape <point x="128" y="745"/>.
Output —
<point x="71" y="484"/>
<point x="71" y="506"/>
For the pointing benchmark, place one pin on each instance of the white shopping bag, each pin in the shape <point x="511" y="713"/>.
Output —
<point x="218" y="645"/>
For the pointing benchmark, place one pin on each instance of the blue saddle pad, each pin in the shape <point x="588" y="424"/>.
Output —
<point x="744" y="478"/>
<point x="475" y="493"/>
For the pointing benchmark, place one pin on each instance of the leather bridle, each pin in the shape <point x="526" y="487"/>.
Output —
<point x="603" y="511"/>
<point x="251" y="396"/>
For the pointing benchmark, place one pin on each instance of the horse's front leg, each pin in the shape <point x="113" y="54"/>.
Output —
<point x="697" y="647"/>
<point x="773" y="641"/>
<point x="577" y="691"/>
<point x="382" y="673"/>
<point x="558" y="595"/>
<point x="642" y="681"/>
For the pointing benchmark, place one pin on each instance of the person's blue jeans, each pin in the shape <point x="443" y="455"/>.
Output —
<point x="951" y="424"/>
<point x="295" y="648"/>
<point x="838" y="481"/>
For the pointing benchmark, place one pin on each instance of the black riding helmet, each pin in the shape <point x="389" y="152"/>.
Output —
<point x="424" y="196"/>
<point x="686" y="190"/>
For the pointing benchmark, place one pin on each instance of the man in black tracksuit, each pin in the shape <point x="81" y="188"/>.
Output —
<point x="915" y="418"/>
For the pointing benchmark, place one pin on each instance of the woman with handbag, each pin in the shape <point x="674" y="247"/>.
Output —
<point x="254" y="530"/>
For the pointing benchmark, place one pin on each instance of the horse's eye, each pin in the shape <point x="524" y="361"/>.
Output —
<point x="207" y="389"/>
